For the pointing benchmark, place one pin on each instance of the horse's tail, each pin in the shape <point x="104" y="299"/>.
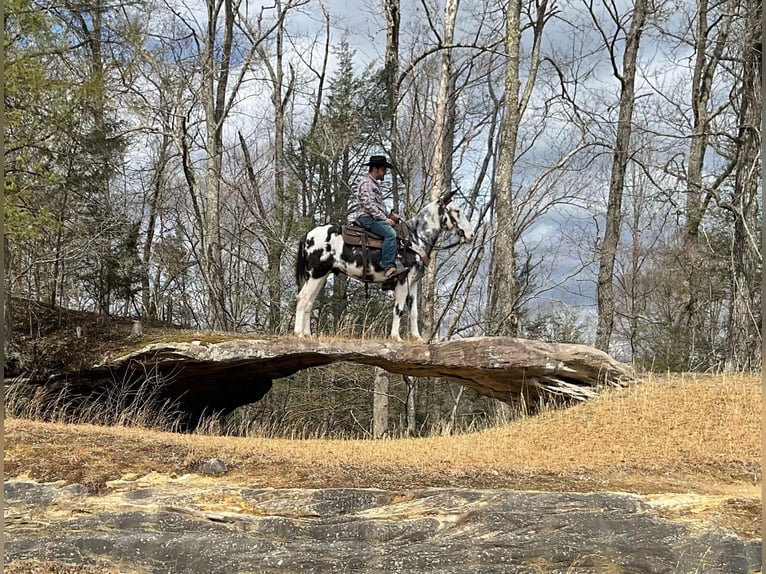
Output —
<point x="301" y="273"/>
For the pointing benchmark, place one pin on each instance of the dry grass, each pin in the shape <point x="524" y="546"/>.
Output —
<point x="698" y="434"/>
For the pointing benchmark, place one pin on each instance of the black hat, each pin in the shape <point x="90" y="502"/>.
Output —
<point x="379" y="161"/>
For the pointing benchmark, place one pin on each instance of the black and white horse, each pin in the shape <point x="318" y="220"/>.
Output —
<point x="322" y="251"/>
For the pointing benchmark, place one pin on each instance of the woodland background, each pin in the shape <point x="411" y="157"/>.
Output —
<point x="163" y="157"/>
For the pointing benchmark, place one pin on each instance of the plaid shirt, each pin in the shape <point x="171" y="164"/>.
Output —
<point x="369" y="199"/>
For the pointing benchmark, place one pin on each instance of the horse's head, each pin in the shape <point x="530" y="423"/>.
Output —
<point x="452" y="219"/>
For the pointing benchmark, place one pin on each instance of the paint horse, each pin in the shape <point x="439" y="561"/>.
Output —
<point x="323" y="251"/>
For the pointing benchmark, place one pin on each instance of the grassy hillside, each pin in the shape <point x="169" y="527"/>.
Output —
<point x="696" y="436"/>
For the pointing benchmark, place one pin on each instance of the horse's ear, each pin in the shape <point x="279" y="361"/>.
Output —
<point x="447" y="196"/>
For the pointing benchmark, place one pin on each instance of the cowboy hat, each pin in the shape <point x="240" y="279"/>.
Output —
<point x="379" y="161"/>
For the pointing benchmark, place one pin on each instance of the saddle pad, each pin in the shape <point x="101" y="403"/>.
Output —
<point x="355" y="234"/>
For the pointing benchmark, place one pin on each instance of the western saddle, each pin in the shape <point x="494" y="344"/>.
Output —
<point x="354" y="234"/>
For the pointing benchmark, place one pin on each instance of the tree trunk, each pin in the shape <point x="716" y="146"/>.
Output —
<point x="452" y="424"/>
<point x="340" y="176"/>
<point x="411" y="384"/>
<point x="610" y="242"/>
<point x="504" y="289"/>
<point x="707" y="58"/>
<point x="441" y="164"/>
<point x="276" y="247"/>
<point x="380" y="404"/>
<point x="92" y="32"/>
<point x="391" y="73"/>
<point x="745" y="337"/>
<point x="58" y="265"/>
<point x="148" y="302"/>
<point x="215" y="78"/>
<point x="7" y="301"/>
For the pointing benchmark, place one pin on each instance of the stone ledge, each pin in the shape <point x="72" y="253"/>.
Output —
<point x="194" y="524"/>
<point x="221" y="376"/>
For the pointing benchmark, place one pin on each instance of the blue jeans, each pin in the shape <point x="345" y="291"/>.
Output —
<point x="384" y="230"/>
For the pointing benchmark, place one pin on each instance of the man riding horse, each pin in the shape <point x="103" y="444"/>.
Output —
<point x="323" y="250"/>
<point x="372" y="214"/>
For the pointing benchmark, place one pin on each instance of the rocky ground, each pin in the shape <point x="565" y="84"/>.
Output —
<point x="83" y="498"/>
<point x="196" y="524"/>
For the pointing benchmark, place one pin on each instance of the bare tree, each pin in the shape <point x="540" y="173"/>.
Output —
<point x="504" y="286"/>
<point x="220" y="89"/>
<point x="441" y="164"/>
<point x="712" y="30"/>
<point x="216" y="66"/>
<point x="708" y="51"/>
<point x="390" y="78"/>
<point x="626" y="75"/>
<point x="745" y="337"/>
<point x="280" y="219"/>
<point x="157" y="185"/>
